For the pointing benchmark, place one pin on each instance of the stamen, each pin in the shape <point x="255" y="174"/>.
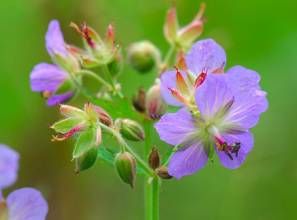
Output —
<point x="178" y="95"/>
<point x="201" y="78"/>
<point x="180" y="82"/>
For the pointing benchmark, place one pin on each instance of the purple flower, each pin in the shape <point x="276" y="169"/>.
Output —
<point x="50" y="78"/>
<point x="178" y="87"/>
<point x="22" y="204"/>
<point x="222" y="111"/>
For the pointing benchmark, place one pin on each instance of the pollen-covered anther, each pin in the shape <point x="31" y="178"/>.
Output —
<point x="70" y="133"/>
<point x="201" y="78"/>
<point x="46" y="94"/>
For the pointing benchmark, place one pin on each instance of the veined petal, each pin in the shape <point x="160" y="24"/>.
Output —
<point x="242" y="80"/>
<point x="168" y="80"/>
<point x="55" y="43"/>
<point x="46" y="77"/>
<point x="175" y="128"/>
<point x="8" y="166"/>
<point x="246" y="141"/>
<point x="187" y="160"/>
<point x="26" y="204"/>
<point x="247" y="109"/>
<point x="213" y="95"/>
<point x="205" y="54"/>
<point x="60" y="98"/>
<point x="250" y="100"/>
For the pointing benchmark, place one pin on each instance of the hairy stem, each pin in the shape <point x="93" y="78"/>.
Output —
<point x="148" y="171"/>
<point x="96" y="77"/>
<point x="151" y="184"/>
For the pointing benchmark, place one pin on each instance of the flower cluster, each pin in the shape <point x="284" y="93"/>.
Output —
<point x="218" y="110"/>
<point x="21" y="204"/>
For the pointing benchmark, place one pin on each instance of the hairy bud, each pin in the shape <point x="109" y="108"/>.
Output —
<point x="143" y="56"/>
<point x="139" y="101"/>
<point x="154" y="158"/>
<point x="126" y="168"/>
<point x="86" y="160"/>
<point x="162" y="172"/>
<point x="154" y="103"/>
<point x="130" y="129"/>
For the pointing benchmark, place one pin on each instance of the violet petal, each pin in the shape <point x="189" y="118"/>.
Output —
<point x="47" y="77"/>
<point x="205" y="54"/>
<point x="9" y="164"/>
<point x="187" y="161"/>
<point x="26" y="204"/>
<point x="174" y="128"/>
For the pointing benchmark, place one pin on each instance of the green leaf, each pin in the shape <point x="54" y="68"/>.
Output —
<point x="85" y="141"/>
<point x="66" y="125"/>
<point x="106" y="155"/>
<point x="118" y="107"/>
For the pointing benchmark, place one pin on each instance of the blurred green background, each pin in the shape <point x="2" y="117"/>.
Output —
<point x="261" y="35"/>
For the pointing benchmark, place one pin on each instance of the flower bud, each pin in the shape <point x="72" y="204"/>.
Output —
<point x="116" y="65"/>
<point x="143" y="56"/>
<point x="171" y="26"/>
<point x="154" y="158"/>
<point x="154" y="103"/>
<point x="130" y="129"/>
<point x="95" y="112"/>
<point x="101" y="51"/>
<point x="126" y="168"/>
<point x="139" y="101"/>
<point x="162" y="172"/>
<point x="183" y="37"/>
<point x="86" y="160"/>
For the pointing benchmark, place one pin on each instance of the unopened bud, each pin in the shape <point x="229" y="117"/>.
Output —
<point x="154" y="103"/>
<point x="126" y="168"/>
<point x="95" y="112"/>
<point x="86" y="160"/>
<point x="143" y="56"/>
<point x="162" y="172"/>
<point x="139" y="101"/>
<point x="154" y="158"/>
<point x="171" y="26"/>
<point x="130" y="129"/>
<point x="116" y="65"/>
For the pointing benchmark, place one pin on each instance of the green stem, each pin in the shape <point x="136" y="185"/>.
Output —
<point x="96" y="77"/>
<point x="149" y="172"/>
<point x="151" y="185"/>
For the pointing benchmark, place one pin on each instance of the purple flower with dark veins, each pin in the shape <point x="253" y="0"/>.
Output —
<point x="178" y="87"/>
<point x="53" y="80"/>
<point x="22" y="204"/>
<point x="216" y="118"/>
